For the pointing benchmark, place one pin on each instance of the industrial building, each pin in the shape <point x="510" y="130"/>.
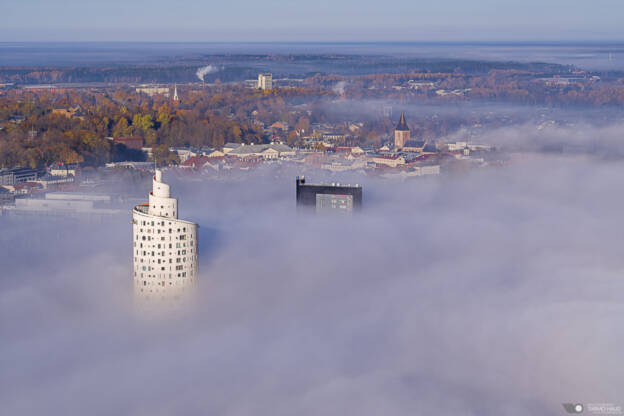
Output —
<point x="328" y="197"/>
<point x="88" y="207"/>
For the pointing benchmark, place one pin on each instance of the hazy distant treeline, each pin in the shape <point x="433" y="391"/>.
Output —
<point x="238" y="68"/>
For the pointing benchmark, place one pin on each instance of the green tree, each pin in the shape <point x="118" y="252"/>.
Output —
<point x="122" y="128"/>
<point x="163" y="156"/>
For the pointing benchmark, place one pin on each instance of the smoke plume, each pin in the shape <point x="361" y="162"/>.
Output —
<point x="339" y="88"/>
<point x="205" y="70"/>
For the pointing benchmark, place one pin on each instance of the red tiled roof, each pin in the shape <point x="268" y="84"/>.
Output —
<point x="197" y="161"/>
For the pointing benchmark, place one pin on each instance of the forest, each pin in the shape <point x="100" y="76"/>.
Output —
<point x="236" y="68"/>
<point x="204" y="118"/>
<point x="33" y="132"/>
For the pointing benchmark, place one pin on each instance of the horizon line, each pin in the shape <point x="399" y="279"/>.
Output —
<point x="337" y="42"/>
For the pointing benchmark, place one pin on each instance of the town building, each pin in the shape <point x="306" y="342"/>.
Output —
<point x="184" y="153"/>
<point x="413" y="171"/>
<point x="17" y="175"/>
<point x="414" y="146"/>
<point x="388" y="159"/>
<point x="165" y="247"/>
<point x="328" y="198"/>
<point x="265" y="151"/>
<point x="462" y="146"/>
<point x="212" y="153"/>
<point x="333" y="137"/>
<point x="6" y="197"/>
<point x="131" y="165"/>
<point x="153" y="90"/>
<point x="16" y="119"/>
<point x="25" y="188"/>
<point x="418" y="85"/>
<point x="90" y="207"/>
<point x="401" y="133"/>
<point x="228" y="147"/>
<point x="265" y="81"/>
<point x="48" y="180"/>
<point x="200" y="162"/>
<point x="70" y="112"/>
<point x="63" y="169"/>
<point x="279" y="125"/>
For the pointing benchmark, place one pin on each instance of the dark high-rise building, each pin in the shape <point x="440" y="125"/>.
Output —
<point x="328" y="198"/>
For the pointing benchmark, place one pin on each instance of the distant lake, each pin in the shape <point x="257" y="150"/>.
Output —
<point x="585" y="55"/>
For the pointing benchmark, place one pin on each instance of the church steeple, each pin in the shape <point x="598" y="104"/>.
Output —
<point x="175" y="93"/>
<point x="401" y="133"/>
<point x="402" y="126"/>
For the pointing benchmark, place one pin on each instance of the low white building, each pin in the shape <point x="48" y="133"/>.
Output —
<point x="457" y="146"/>
<point x="392" y="160"/>
<point x="61" y="169"/>
<point x="68" y="204"/>
<point x="460" y="146"/>
<point x="152" y="90"/>
<point x="427" y="170"/>
<point x="344" y="165"/>
<point x="413" y="172"/>
<point x="266" y="151"/>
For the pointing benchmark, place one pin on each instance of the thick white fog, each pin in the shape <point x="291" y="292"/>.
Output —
<point x="498" y="291"/>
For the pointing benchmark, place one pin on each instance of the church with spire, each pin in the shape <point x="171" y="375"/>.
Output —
<point x="401" y="133"/>
<point x="176" y="99"/>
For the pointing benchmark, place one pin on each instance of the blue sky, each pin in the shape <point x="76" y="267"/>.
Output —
<point x="321" y="20"/>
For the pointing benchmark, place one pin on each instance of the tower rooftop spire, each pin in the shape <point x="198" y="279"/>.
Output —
<point x="402" y="126"/>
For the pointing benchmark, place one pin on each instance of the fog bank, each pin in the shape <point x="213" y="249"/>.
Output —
<point x="494" y="292"/>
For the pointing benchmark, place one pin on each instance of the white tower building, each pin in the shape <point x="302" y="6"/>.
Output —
<point x="165" y="248"/>
<point x="265" y="81"/>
